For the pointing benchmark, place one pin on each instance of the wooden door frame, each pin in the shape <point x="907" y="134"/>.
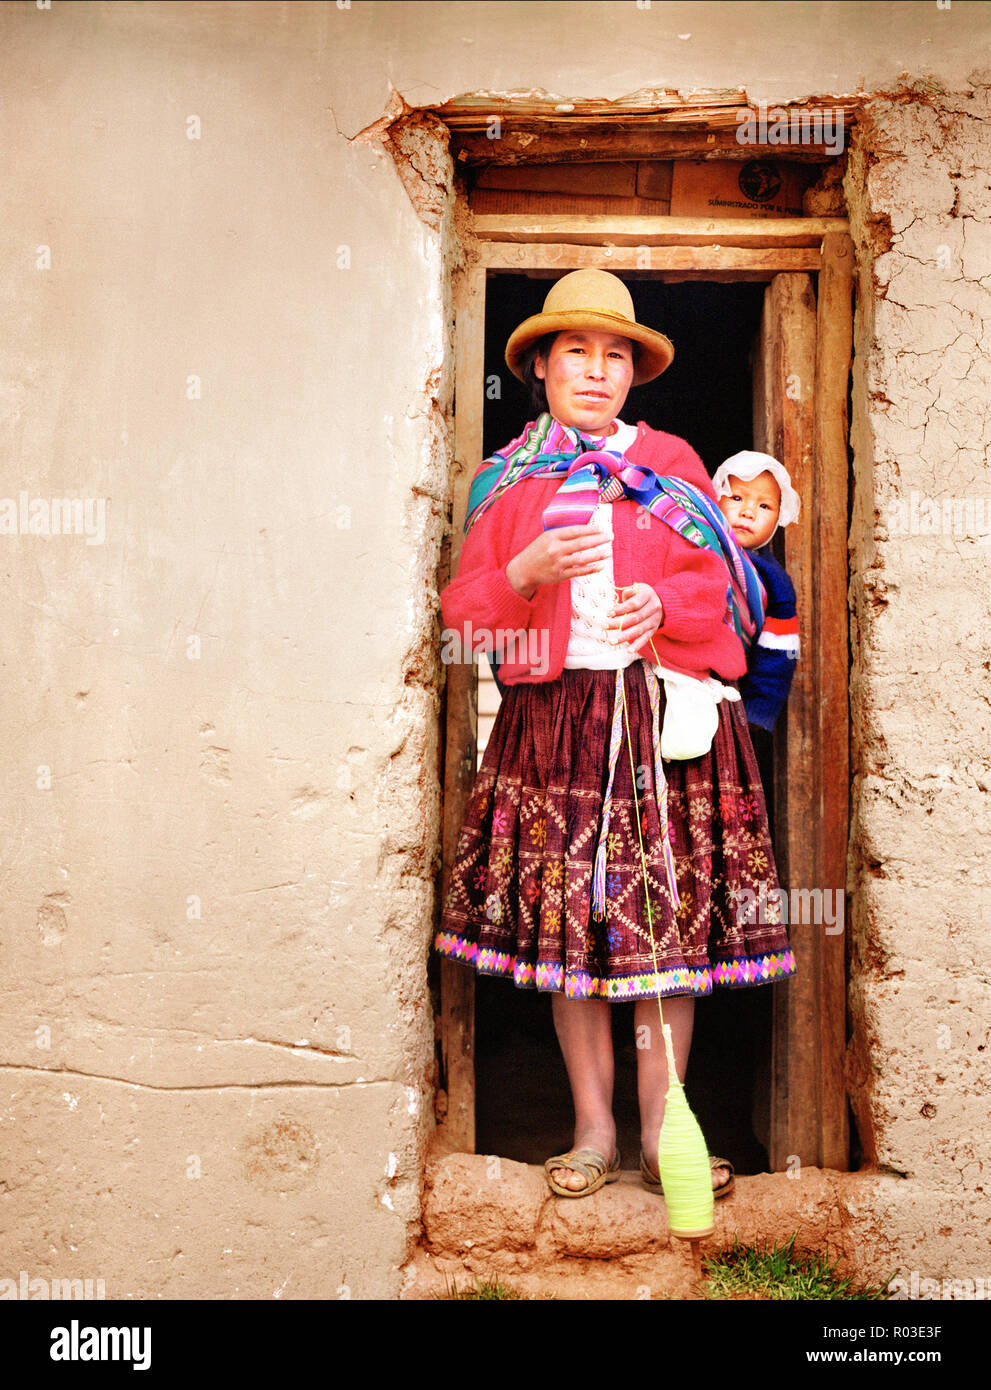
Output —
<point x="808" y="1080"/>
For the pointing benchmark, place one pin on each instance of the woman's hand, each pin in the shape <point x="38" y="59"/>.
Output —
<point x="637" y="614"/>
<point x="566" y="552"/>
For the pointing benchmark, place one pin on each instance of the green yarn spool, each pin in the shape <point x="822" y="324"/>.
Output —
<point x="683" y="1161"/>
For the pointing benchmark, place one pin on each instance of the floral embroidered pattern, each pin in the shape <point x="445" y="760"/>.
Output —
<point x="757" y="861"/>
<point x="551" y="921"/>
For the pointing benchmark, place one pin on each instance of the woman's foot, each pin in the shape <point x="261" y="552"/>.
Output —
<point x="602" y="1140"/>
<point x="721" y="1176"/>
<point x="584" y="1031"/>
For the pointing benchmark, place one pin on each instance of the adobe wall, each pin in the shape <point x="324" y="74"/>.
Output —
<point x="221" y="806"/>
<point x="216" y="1041"/>
<point x="920" y="556"/>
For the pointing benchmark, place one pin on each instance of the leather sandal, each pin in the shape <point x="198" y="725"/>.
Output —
<point x="592" y="1165"/>
<point x="653" y="1183"/>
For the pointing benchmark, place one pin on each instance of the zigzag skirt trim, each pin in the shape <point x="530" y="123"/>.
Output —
<point x="579" y="984"/>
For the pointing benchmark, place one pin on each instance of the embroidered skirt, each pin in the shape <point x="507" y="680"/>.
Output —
<point x="519" y="902"/>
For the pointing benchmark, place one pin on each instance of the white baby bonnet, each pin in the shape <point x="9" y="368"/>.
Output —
<point x="746" y="465"/>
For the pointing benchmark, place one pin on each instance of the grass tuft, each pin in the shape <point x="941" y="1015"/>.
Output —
<point x="483" y="1289"/>
<point x="776" y="1272"/>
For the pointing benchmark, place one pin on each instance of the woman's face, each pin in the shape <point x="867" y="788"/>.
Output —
<point x="587" y="376"/>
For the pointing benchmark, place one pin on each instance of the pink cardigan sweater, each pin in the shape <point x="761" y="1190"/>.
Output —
<point x="690" y="582"/>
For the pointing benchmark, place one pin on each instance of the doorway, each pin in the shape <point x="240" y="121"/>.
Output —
<point x="803" y="269"/>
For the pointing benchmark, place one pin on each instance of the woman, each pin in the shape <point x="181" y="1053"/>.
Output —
<point x="560" y="831"/>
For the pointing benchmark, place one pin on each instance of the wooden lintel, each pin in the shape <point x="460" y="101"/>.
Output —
<point x="470" y="112"/>
<point x="514" y="129"/>
<point x="643" y="111"/>
<point x="767" y="260"/>
<point x="631" y="230"/>
<point x="621" y="141"/>
<point x="675" y="277"/>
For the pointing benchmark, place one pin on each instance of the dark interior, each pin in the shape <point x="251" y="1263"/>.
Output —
<point x="523" y="1102"/>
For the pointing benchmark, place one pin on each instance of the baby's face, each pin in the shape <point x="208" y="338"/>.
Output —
<point x="752" y="509"/>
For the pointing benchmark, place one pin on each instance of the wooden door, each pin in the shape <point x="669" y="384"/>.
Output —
<point x="801" y="370"/>
<point x="457" y="1020"/>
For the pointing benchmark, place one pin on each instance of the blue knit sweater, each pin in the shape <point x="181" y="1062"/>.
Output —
<point x="771" y="665"/>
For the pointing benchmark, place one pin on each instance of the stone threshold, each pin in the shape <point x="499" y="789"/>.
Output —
<point x="491" y="1217"/>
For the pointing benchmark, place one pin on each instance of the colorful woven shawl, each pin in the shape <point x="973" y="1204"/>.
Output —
<point x="548" y="449"/>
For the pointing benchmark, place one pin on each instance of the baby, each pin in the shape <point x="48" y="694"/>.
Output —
<point x="756" y="497"/>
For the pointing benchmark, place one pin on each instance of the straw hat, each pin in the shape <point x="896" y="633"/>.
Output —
<point x="600" y="302"/>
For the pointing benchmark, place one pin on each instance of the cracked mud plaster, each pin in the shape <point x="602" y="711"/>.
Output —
<point x="418" y="143"/>
<point x="343" y="1084"/>
<point x="403" y="778"/>
<point x="408" y="808"/>
<point x="919" y="196"/>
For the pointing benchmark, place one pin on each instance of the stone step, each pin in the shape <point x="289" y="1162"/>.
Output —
<point x="486" y="1216"/>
